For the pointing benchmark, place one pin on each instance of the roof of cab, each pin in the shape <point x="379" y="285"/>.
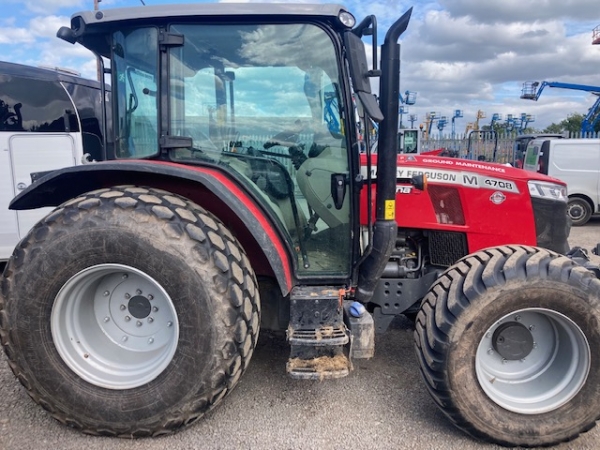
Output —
<point x="208" y="9"/>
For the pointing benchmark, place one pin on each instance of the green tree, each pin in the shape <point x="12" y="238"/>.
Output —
<point x="572" y="124"/>
<point x="553" y="128"/>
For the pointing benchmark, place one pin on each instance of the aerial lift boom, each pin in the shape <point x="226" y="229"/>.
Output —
<point x="533" y="89"/>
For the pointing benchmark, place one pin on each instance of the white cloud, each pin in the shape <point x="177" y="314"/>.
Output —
<point x="47" y="26"/>
<point x="13" y="36"/>
<point x="51" y="6"/>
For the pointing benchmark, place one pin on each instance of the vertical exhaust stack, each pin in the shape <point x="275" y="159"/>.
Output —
<point x="385" y="229"/>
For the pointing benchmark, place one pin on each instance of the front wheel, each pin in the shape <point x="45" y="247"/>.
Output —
<point x="579" y="210"/>
<point x="129" y="312"/>
<point x="508" y="342"/>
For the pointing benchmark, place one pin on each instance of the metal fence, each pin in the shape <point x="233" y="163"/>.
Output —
<point x="482" y="148"/>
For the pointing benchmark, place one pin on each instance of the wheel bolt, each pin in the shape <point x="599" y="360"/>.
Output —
<point x="127" y="296"/>
<point x="124" y="338"/>
<point x="155" y="308"/>
<point x="150" y="341"/>
<point x="127" y="318"/>
<point x="125" y="276"/>
<point x="138" y="291"/>
<point x="150" y="297"/>
<point x="531" y="327"/>
<point x="490" y="351"/>
<point x="150" y="320"/>
<point x="122" y="307"/>
<point x="518" y="318"/>
<point x="106" y="293"/>
<point x="504" y="361"/>
<point x="169" y="324"/>
<point x="138" y="324"/>
<point x="106" y="319"/>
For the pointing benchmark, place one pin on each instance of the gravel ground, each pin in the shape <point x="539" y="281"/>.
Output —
<point x="381" y="405"/>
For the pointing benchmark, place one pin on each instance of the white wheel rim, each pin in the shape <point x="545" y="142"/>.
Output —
<point x="114" y="326"/>
<point x="551" y="374"/>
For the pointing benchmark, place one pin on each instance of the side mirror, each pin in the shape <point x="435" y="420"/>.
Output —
<point x="359" y="71"/>
<point x="66" y="34"/>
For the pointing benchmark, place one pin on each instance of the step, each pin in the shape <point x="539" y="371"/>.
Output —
<point x="319" y="368"/>
<point x="323" y="336"/>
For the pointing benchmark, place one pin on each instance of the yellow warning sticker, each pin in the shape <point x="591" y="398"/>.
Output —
<point x="390" y="209"/>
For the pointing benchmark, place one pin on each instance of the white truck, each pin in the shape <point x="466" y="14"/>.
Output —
<point x="577" y="163"/>
<point x="49" y="119"/>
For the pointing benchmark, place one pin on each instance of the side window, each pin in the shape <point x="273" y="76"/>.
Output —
<point x="32" y="105"/>
<point x="135" y="71"/>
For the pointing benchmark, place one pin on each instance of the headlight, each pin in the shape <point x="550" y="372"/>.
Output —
<point x="547" y="190"/>
<point x="346" y="19"/>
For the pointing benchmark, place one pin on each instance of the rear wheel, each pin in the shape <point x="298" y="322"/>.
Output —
<point x="509" y="346"/>
<point x="129" y="312"/>
<point x="579" y="210"/>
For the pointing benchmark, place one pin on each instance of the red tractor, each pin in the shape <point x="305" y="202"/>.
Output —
<point x="228" y="202"/>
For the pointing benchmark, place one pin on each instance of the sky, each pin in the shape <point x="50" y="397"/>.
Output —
<point x="468" y="55"/>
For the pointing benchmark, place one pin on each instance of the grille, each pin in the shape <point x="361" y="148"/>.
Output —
<point x="445" y="248"/>
<point x="552" y="224"/>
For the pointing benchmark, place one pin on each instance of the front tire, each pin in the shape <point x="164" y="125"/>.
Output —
<point x="508" y="343"/>
<point x="129" y="312"/>
<point x="579" y="210"/>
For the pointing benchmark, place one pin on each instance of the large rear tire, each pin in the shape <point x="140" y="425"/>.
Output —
<point x="129" y="312"/>
<point x="508" y="341"/>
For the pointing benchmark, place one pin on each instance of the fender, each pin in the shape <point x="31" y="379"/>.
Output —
<point x="197" y="183"/>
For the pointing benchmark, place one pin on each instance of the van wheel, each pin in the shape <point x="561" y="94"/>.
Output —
<point x="509" y="346"/>
<point x="129" y="312"/>
<point x="579" y="210"/>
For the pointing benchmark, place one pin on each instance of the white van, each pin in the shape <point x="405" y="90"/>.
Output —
<point x="577" y="163"/>
<point x="48" y="120"/>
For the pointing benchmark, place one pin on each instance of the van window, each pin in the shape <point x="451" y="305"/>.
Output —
<point x="88" y="101"/>
<point x="531" y="157"/>
<point x="27" y="104"/>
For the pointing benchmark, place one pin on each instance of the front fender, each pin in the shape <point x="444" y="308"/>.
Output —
<point x="210" y="187"/>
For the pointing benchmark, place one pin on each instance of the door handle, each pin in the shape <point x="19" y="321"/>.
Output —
<point x="338" y="189"/>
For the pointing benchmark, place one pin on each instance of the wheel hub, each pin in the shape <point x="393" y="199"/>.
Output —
<point x="576" y="211"/>
<point x="512" y="341"/>
<point x="139" y="307"/>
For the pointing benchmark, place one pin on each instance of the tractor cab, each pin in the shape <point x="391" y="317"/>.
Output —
<point x="253" y="100"/>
